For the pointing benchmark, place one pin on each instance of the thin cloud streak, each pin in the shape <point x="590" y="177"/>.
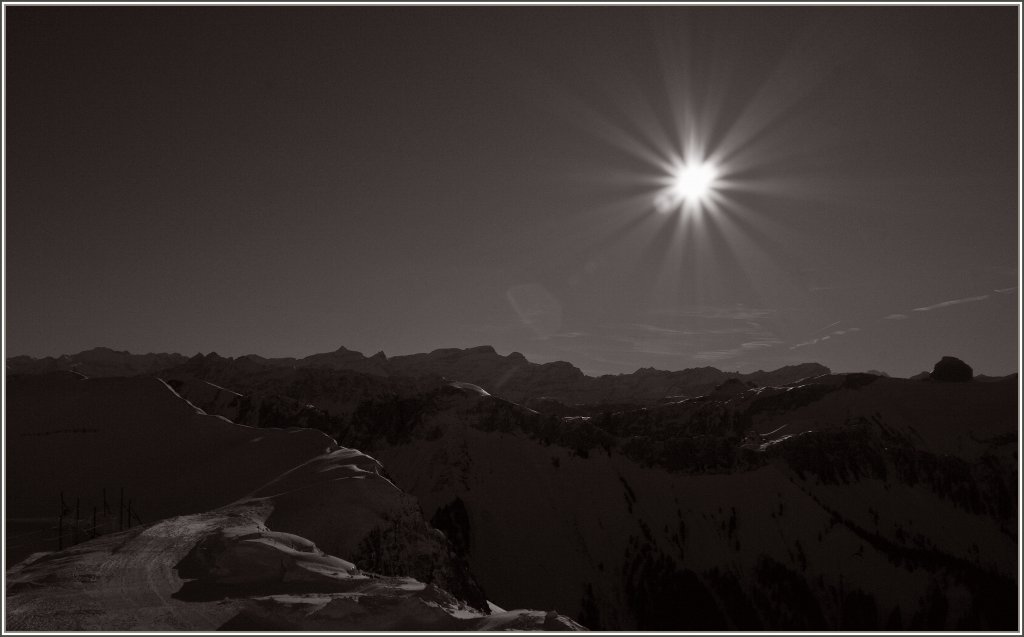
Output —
<point x="828" y="336"/>
<point x="970" y="299"/>
<point x="825" y="328"/>
<point x="654" y="328"/>
<point x="899" y="316"/>
<point x="769" y="340"/>
<point x="715" y="355"/>
<point x="735" y="313"/>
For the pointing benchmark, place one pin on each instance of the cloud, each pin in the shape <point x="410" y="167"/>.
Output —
<point x="826" y="337"/>
<point x="970" y="299"/>
<point x="679" y="336"/>
<point x="734" y="313"/>
<point x="716" y="355"/>
<point x="696" y="335"/>
<point x="825" y="328"/>
<point x="643" y="332"/>
<point x="653" y="328"/>
<point x="897" y="317"/>
<point x="702" y="334"/>
<point x="760" y="342"/>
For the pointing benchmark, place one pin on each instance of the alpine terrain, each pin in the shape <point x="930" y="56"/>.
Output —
<point x="431" y="491"/>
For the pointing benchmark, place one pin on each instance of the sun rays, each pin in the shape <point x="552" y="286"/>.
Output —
<point x="699" y="199"/>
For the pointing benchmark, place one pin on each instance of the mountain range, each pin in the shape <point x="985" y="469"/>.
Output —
<point x="512" y="376"/>
<point x="444" y="487"/>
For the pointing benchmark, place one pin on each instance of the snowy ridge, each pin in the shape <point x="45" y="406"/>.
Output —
<point x="293" y="533"/>
<point x="197" y="410"/>
<point x="227" y="570"/>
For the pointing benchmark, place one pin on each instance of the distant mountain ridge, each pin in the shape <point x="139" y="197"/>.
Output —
<point x="98" y="361"/>
<point x="513" y="376"/>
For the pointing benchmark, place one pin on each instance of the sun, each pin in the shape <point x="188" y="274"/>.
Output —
<point x="689" y="187"/>
<point x="694" y="182"/>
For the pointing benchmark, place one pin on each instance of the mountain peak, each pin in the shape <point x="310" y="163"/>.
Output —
<point x="952" y="369"/>
<point x="101" y="350"/>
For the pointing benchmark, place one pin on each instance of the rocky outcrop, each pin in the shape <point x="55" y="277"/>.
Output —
<point x="952" y="370"/>
<point x="343" y="503"/>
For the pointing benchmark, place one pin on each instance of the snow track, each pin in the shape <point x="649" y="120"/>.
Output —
<point x="130" y="581"/>
<point x="123" y="581"/>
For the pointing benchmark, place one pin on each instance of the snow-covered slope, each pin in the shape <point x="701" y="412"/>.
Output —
<point x="885" y="490"/>
<point x="233" y="516"/>
<point x="226" y="570"/>
<point x="846" y="501"/>
<point x="89" y="437"/>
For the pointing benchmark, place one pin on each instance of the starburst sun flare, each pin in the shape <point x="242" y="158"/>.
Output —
<point x="693" y="182"/>
<point x="689" y="186"/>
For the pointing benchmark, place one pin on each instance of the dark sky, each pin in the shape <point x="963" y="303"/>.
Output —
<point x="286" y="180"/>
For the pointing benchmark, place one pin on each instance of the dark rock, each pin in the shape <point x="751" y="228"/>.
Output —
<point x="952" y="370"/>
